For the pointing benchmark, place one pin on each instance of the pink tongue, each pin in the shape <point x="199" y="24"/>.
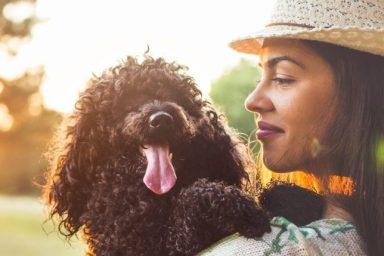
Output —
<point x="160" y="175"/>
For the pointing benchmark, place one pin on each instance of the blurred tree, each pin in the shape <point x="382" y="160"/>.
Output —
<point x="25" y="125"/>
<point x="229" y="91"/>
<point x="17" y="17"/>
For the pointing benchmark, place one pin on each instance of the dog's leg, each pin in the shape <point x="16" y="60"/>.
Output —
<point x="206" y="212"/>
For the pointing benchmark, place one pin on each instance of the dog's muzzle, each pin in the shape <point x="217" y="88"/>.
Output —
<point x="161" y="126"/>
<point x="160" y="121"/>
<point x="160" y="174"/>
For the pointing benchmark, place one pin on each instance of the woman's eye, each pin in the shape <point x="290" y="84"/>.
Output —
<point x="282" y="81"/>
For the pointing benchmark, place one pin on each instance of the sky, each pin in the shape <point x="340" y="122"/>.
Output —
<point x="79" y="37"/>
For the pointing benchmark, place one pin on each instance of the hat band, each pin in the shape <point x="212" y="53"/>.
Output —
<point x="289" y="24"/>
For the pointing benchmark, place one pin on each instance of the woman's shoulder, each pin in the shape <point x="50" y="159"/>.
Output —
<point x="321" y="237"/>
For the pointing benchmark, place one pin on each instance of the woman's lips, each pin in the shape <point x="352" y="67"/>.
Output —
<point x="267" y="129"/>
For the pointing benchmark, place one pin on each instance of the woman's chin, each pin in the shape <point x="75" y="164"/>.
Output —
<point x="279" y="166"/>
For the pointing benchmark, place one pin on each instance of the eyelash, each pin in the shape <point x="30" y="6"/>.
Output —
<point x="282" y="81"/>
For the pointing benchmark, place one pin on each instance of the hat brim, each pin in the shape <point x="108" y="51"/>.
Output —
<point x="371" y="41"/>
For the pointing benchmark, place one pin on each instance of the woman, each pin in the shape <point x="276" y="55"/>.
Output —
<point x="320" y="108"/>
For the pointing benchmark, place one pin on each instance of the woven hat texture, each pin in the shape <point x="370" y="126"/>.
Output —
<point x="356" y="24"/>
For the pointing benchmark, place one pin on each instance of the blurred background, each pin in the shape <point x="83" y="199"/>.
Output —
<point x="50" y="48"/>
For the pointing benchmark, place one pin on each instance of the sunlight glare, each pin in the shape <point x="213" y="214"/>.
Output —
<point x="6" y="120"/>
<point x="79" y="38"/>
<point x="35" y="104"/>
<point x="18" y="11"/>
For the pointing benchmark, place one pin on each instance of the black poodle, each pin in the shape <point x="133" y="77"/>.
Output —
<point x="145" y="166"/>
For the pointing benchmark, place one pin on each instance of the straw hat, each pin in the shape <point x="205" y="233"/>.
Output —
<point x="356" y="24"/>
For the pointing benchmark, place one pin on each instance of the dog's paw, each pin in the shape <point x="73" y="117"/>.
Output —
<point x="252" y="222"/>
<point x="299" y="205"/>
<point x="230" y="210"/>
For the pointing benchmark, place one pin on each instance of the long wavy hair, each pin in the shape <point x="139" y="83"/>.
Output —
<point x="355" y="143"/>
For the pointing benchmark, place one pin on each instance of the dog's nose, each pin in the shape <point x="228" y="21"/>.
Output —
<point x="160" y="120"/>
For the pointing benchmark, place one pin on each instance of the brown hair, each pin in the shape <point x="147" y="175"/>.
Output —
<point x="357" y="138"/>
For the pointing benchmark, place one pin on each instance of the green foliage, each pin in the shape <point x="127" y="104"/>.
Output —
<point x="22" y="231"/>
<point x="229" y="92"/>
<point x="25" y="125"/>
<point x="380" y="153"/>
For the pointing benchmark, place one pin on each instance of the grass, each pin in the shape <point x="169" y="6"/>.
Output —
<point x="23" y="231"/>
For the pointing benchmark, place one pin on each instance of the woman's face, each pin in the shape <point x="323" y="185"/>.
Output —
<point x="293" y="101"/>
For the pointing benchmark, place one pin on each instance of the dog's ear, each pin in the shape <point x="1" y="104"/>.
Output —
<point x="73" y="161"/>
<point x="228" y="156"/>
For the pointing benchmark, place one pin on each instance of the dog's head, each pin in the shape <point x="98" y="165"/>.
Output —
<point x="160" y="128"/>
<point x="141" y="113"/>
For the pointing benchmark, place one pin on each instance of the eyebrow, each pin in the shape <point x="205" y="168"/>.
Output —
<point x="274" y="61"/>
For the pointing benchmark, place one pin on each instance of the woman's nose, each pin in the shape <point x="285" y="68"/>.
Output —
<point x="259" y="100"/>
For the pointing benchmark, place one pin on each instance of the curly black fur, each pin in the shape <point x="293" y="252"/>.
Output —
<point x="218" y="210"/>
<point x="97" y="168"/>
<point x="299" y="205"/>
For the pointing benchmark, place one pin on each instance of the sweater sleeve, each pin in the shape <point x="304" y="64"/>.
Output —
<point x="322" y="237"/>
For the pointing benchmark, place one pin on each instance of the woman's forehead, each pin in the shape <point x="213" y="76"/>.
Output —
<point x="289" y="48"/>
<point x="286" y="46"/>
